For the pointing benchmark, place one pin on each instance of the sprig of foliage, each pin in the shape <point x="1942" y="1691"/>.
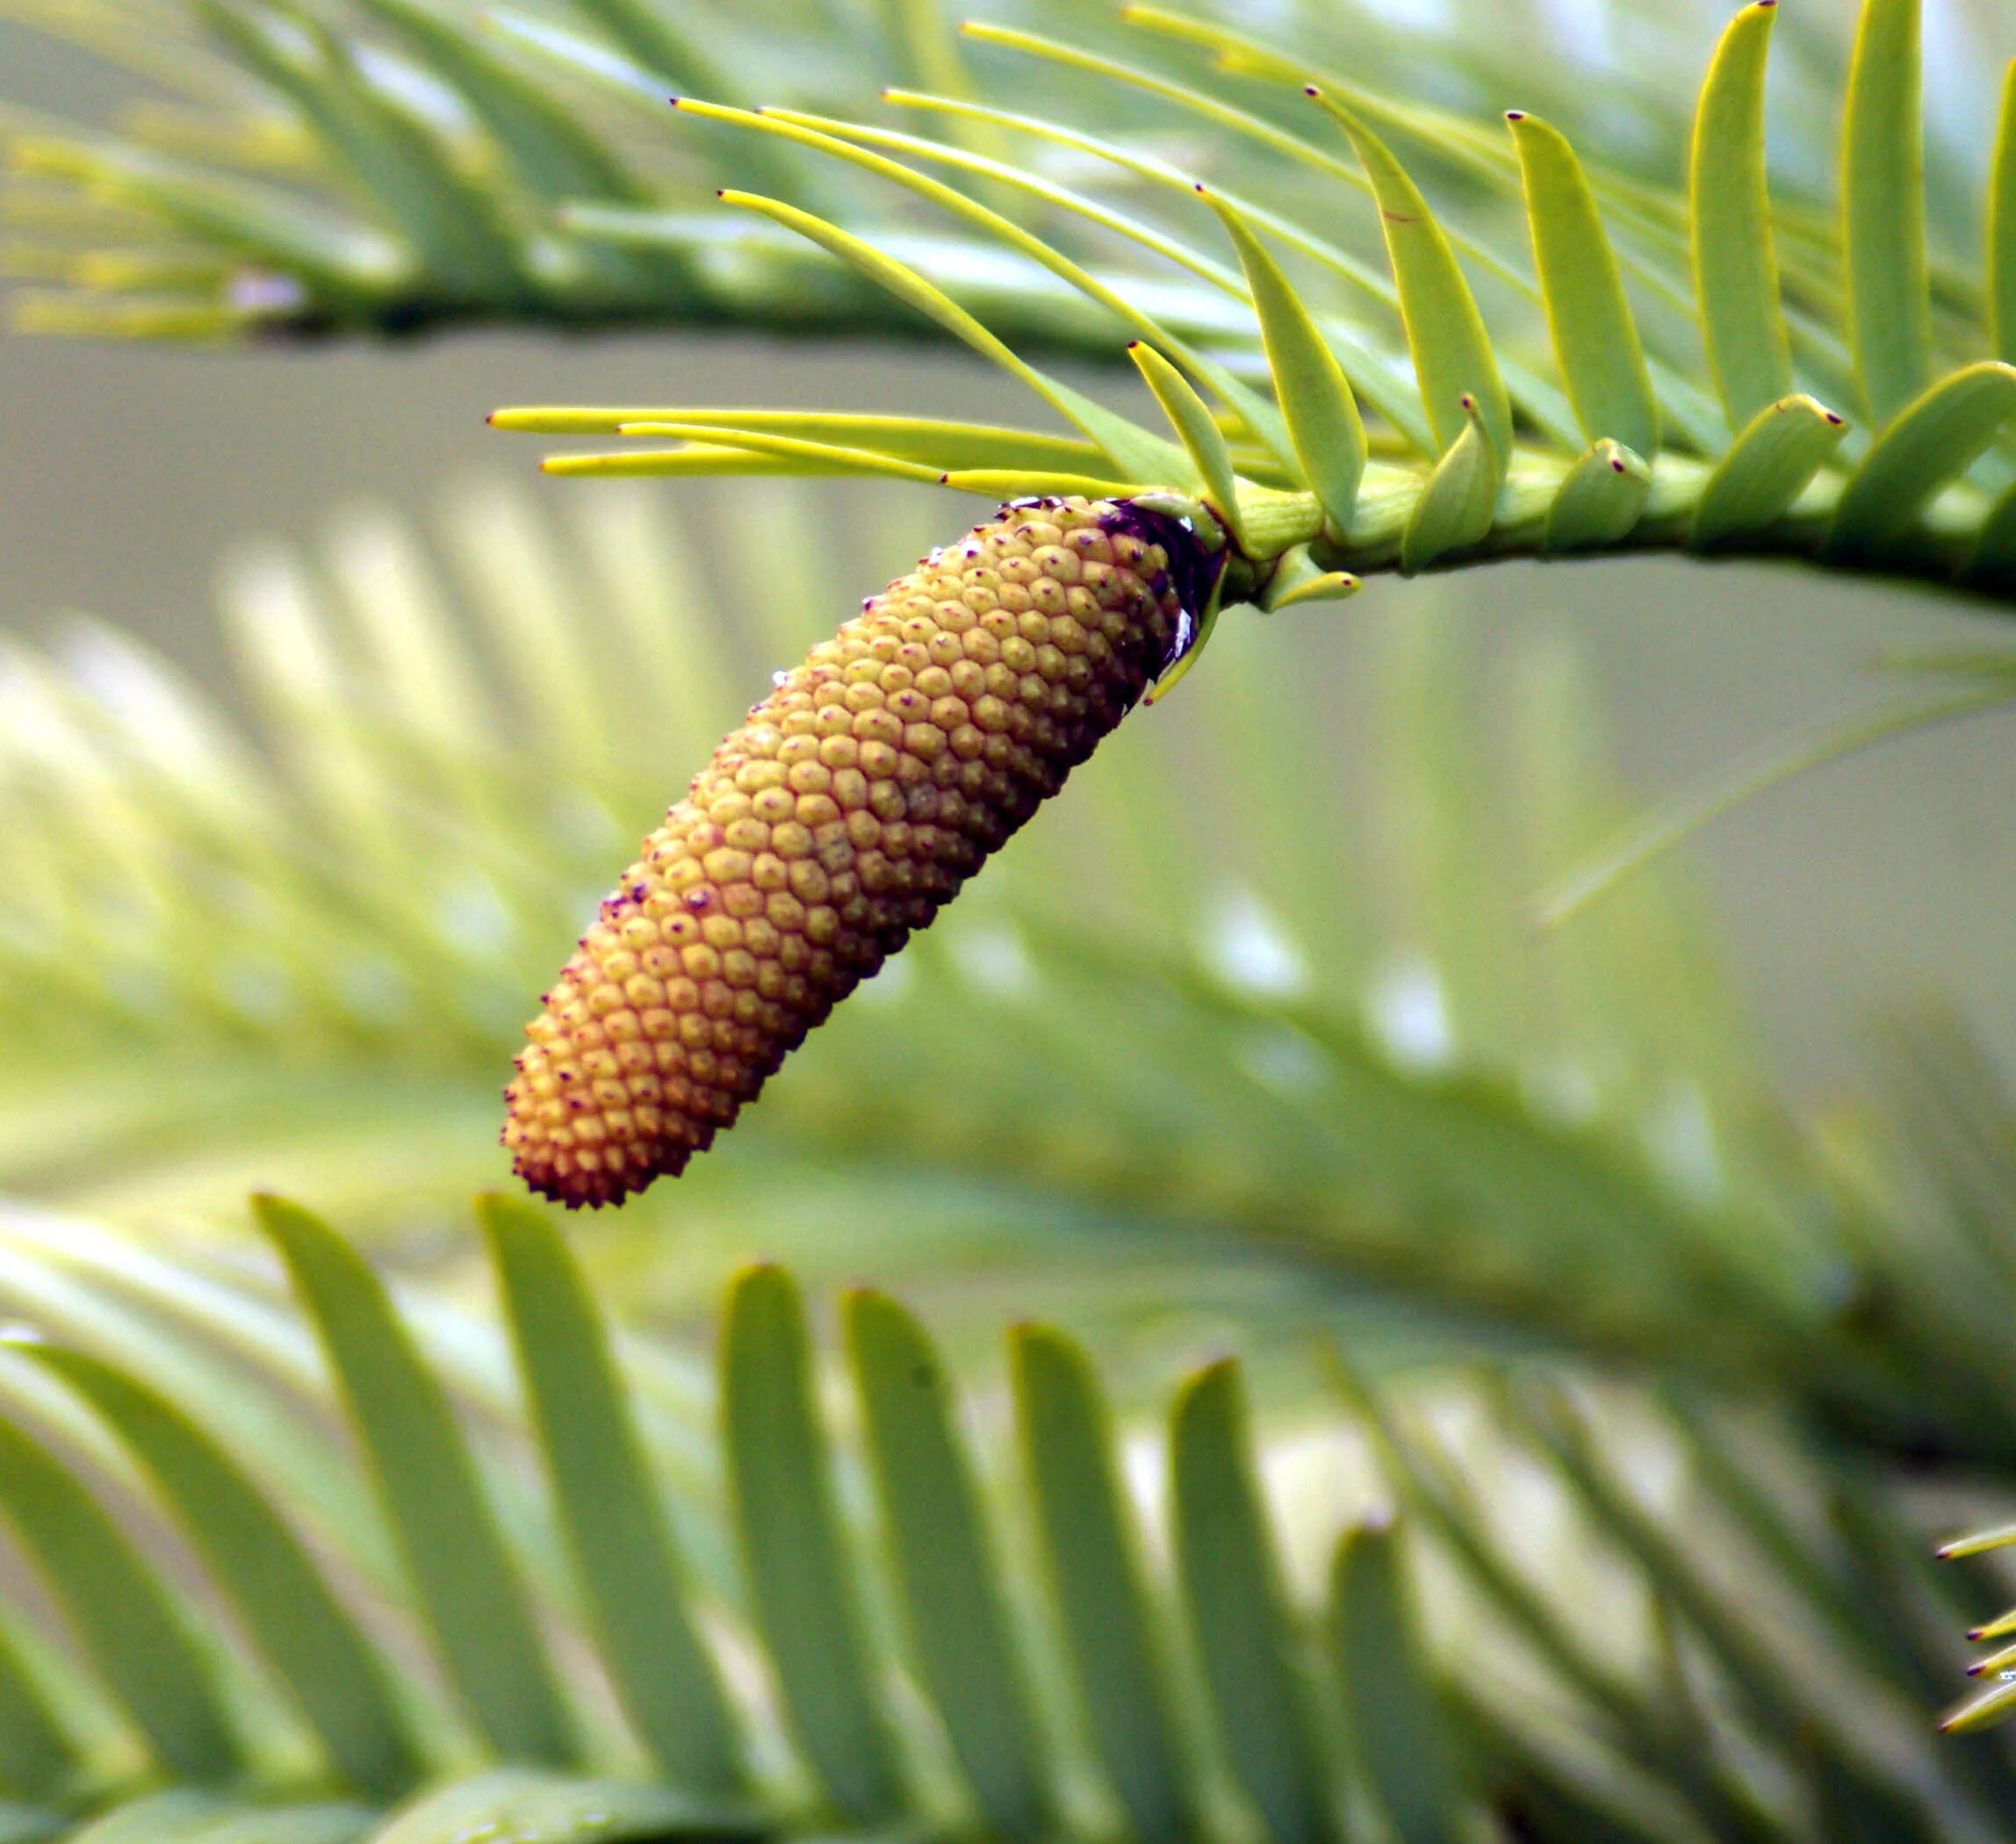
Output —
<point x="1593" y="337"/>
<point x="822" y="1634"/>
<point x="1482" y="449"/>
<point x="1996" y="1701"/>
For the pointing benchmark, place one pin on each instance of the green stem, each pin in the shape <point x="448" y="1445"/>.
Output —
<point x="1937" y="548"/>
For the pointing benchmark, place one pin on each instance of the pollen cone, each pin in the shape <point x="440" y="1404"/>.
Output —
<point x="855" y="801"/>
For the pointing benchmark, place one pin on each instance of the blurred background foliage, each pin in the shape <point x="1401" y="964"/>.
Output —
<point x="1689" y="1305"/>
<point x="405" y="164"/>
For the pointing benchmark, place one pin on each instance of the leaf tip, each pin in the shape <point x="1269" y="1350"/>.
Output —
<point x="496" y="1209"/>
<point x="759" y="1280"/>
<point x="284" y="1220"/>
<point x="1220" y="1372"/>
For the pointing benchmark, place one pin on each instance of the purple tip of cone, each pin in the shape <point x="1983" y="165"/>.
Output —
<point x="674" y="100"/>
<point x="1836" y="421"/>
<point x="1617" y="466"/>
<point x="1515" y="115"/>
<point x="1311" y="90"/>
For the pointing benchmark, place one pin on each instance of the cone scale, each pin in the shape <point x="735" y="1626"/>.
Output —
<point x="856" y="800"/>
